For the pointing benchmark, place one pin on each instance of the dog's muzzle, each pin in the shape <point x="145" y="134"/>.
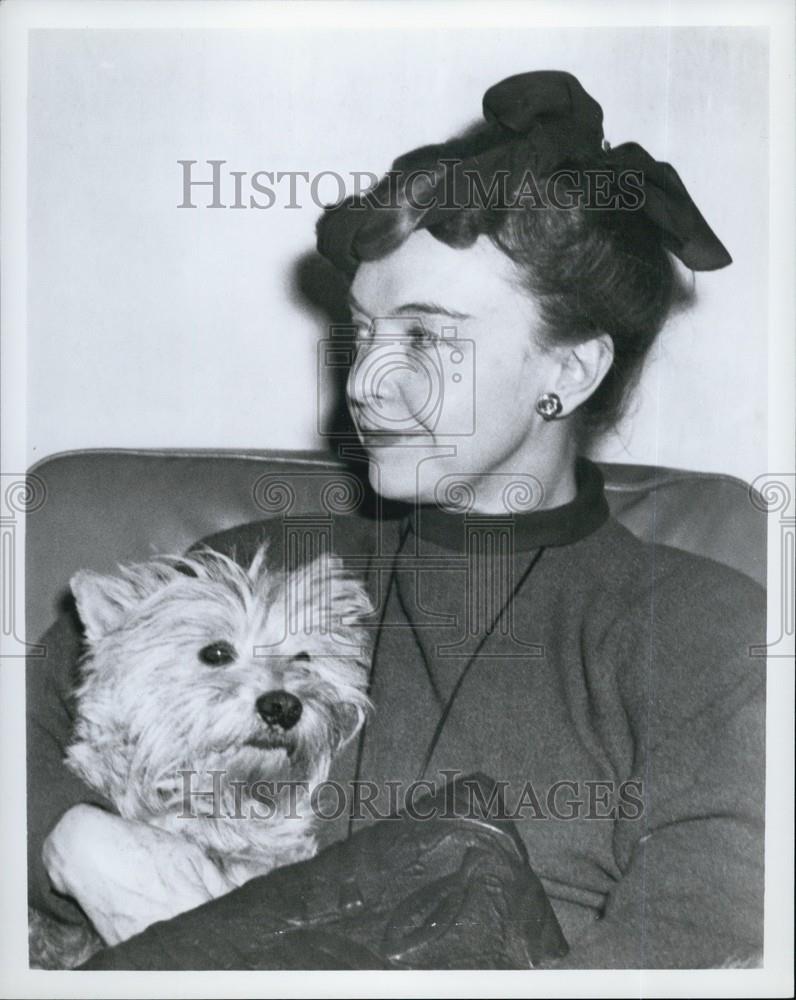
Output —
<point x="279" y="708"/>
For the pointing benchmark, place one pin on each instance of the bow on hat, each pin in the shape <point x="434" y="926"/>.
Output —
<point x="547" y="119"/>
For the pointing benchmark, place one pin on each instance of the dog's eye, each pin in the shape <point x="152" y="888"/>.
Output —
<point x="217" y="654"/>
<point x="302" y="657"/>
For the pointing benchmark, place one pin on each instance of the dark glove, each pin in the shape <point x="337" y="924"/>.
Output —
<point x="402" y="893"/>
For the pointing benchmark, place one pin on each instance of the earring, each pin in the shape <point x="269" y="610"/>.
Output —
<point x="548" y="406"/>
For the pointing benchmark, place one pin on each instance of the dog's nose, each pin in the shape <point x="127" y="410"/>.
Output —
<point x="279" y="708"/>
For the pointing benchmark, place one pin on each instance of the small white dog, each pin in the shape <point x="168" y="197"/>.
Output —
<point x="202" y="676"/>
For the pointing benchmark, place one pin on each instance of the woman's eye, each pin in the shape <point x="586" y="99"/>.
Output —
<point x="217" y="654"/>
<point x="419" y="336"/>
<point x="362" y="329"/>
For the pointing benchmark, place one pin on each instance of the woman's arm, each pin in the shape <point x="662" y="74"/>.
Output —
<point x="692" y="891"/>
<point x="52" y="788"/>
<point x="691" y="895"/>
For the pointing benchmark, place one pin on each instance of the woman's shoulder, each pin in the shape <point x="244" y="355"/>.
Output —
<point x="690" y="616"/>
<point x="644" y="568"/>
<point x="647" y="600"/>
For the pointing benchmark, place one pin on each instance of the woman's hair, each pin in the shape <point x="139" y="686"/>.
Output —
<point x="591" y="271"/>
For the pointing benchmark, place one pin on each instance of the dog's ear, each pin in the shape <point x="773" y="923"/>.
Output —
<point x="325" y="595"/>
<point x="102" y="601"/>
<point x="350" y="601"/>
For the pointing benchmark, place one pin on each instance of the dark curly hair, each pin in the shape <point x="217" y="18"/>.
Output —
<point x="590" y="270"/>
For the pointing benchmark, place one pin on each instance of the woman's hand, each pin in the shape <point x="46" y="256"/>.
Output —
<point x="127" y="875"/>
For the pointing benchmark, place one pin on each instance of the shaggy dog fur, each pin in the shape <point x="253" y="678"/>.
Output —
<point x="212" y="700"/>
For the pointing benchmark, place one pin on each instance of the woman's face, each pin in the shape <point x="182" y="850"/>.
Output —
<point x="447" y="373"/>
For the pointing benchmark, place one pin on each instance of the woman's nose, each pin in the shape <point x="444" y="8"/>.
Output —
<point x="375" y="372"/>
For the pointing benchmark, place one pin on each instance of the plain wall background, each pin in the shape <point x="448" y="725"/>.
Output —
<point x="153" y="326"/>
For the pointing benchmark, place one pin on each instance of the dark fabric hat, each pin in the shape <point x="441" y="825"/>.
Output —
<point x="540" y="121"/>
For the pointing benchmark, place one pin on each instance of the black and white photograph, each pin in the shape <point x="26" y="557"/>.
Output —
<point x="398" y="498"/>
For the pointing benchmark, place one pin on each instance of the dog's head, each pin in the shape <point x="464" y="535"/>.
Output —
<point x="197" y="663"/>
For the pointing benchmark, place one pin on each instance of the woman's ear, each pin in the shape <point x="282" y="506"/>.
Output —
<point x="582" y="369"/>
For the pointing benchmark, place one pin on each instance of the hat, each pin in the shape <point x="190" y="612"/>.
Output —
<point x="541" y="121"/>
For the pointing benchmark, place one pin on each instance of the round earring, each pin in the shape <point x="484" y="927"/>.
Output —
<point x="549" y="406"/>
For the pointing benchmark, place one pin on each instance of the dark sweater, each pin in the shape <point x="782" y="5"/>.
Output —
<point x="615" y="697"/>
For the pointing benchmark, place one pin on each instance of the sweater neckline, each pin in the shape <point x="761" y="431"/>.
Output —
<point x="529" y="530"/>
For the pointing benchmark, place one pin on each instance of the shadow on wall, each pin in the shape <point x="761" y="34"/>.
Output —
<point x="317" y="285"/>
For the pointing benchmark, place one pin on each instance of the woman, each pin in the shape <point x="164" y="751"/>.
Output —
<point x="526" y="267"/>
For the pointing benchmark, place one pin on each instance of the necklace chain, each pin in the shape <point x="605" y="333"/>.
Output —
<point x="448" y="705"/>
<point x="432" y="746"/>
